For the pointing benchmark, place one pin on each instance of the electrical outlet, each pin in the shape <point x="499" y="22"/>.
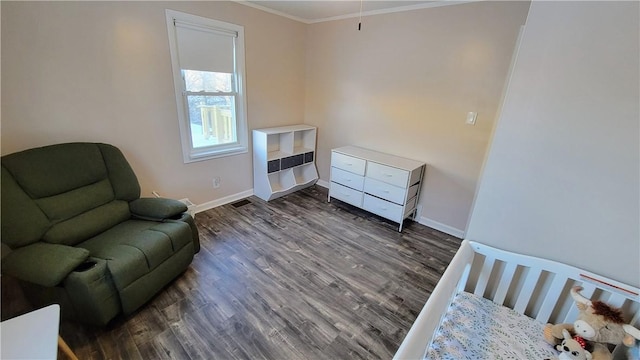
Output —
<point x="216" y="182"/>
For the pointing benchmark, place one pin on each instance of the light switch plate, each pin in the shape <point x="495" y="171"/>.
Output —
<point x="471" y="118"/>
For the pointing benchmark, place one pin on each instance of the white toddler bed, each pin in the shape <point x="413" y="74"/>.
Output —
<point x="475" y="310"/>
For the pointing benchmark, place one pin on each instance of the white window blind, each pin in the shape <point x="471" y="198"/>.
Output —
<point x="205" y="49"/>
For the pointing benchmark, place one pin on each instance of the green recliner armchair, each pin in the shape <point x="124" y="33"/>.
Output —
<point x="75" y="231"/>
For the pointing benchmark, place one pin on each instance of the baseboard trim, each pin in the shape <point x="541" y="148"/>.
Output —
<point x="223" y="201"/>
<point x="422" y="220"/>
<point x="441" y="227"/>
<point x="244" y="194"/>
<point x="323" y="183"/>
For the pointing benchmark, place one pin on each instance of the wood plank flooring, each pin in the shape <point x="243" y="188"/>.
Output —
<point x="294" y="278"/>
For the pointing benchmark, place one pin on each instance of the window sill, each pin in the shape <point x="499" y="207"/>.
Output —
<point x="214" y="154"/>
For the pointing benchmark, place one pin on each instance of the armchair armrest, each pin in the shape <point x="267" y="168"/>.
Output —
<point x="156" y="209"/>
<point x="43" y="263"/>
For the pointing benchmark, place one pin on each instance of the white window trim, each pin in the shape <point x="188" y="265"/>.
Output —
<point x="242" y="145"/>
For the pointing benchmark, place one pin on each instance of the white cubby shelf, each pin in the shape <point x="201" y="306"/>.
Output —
<point x="283" y="160"/>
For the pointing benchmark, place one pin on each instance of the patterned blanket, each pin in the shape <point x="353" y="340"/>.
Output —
<point x="477" y="328"/>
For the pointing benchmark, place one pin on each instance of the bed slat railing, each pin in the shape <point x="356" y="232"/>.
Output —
<point x="544" y="279"/>
<point x="452" y="281"/>
<point x="464" y="278"/>
<point x="505" y="282"/>
<point x="483" y="279"/>
<point x="551" y="299"/>
<point x="616" y="300"/>
<point x="635" y="320"/>
<point x="531" y="284"/>
<point x="527" y="289"/>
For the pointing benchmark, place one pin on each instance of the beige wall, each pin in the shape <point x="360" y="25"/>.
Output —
<point x="404" y="85"/>
<point x="101" y="71"/>
<point x="563" y="177"/>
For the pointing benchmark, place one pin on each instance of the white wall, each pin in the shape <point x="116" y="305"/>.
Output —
<point x="404" y="84"/>
<point x="563" y="175"/>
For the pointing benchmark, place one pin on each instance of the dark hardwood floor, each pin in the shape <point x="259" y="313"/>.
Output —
<point x="294" y="278"/>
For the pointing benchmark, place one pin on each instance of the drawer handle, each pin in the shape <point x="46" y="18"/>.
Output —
<point x="345" y="194"/>
<point x="388" y="175"/>
<point x="385" y="191"/>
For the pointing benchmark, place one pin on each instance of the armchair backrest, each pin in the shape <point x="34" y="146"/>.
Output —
<point x="64" y="193"/>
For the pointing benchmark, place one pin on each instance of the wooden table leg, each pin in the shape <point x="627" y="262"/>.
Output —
<point x="66" y="349"/>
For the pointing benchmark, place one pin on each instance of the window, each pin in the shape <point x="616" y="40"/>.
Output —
<point x="207" y="57"/>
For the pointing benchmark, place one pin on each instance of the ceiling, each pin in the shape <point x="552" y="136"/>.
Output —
<point x="312" y="11"/>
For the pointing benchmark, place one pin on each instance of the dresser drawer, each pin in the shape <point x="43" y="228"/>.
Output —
<point x="411" y="205"/>
<point x="345" y="194"/>
<point x="383" y="208"/>
<point x="413" y="191"/>
<point x="349" y="163"/>
<point x="384" y="190"/>
<point x="388" y="174"/>
<point x="347" y="178"/>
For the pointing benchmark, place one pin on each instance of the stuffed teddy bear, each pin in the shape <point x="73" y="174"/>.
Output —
<point x="572" y="348"/>
<point x="597" y="322"/>
<point x="576" y="348"/>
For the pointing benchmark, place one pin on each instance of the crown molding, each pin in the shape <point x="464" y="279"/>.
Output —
<point x="355" y="15"/>
<point x="271" y="11"/>
<point x="393" y="10"/>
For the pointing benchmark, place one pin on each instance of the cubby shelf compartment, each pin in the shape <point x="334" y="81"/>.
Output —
<point x="305" y="174"/>
<point x="283" y="160"/>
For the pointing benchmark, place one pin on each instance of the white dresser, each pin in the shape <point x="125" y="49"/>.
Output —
<point x="386" y="185"/>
